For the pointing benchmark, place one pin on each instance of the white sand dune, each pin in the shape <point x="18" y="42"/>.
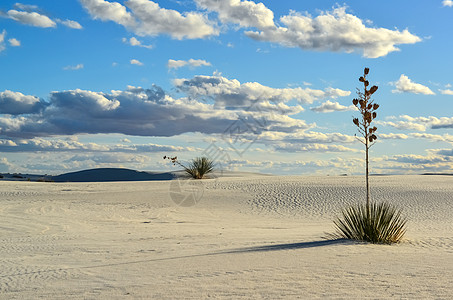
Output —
<point x="252" y="237"/>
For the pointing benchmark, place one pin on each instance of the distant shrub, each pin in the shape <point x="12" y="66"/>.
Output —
<point x="197" y="168"/>
<point x="381" y="223"/>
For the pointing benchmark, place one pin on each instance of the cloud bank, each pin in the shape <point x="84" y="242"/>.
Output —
<point x="66" y="145"/>
<point x="151" y="112"/>
<point x="406" y="122"/>
<point x="335" y="30"/>
<point x="15" y="103"/>
<point x="232" y="93"/>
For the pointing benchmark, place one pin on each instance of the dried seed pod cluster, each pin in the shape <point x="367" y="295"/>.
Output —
<point x="174" y="160"/>
<point x="367" y="109"/>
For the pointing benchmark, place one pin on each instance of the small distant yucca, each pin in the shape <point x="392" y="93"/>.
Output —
<point x="198" y="167"/>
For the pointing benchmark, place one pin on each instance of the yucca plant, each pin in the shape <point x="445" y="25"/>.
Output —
<point x="197" y="168"/>
<point x="371" y="222"/>
<point x="379" y="223"/>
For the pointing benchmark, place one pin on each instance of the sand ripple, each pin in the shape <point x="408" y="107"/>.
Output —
<point x="423" y="198"/>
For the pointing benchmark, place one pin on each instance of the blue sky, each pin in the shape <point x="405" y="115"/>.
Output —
<point x="257" y="86"/>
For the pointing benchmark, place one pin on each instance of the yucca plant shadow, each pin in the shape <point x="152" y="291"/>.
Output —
<point x="292" y="246"/>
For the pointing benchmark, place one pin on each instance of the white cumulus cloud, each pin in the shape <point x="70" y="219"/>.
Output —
<point x="446" y="92"/>
<point x="2" y="40"/>
<point x="14" y="42"/>
<point x="148" y="18"/>
<point x="330" y="106"/>
<point x="448" y="3"/>
<point x="70" y="24"/>
<point x="244" y="13"/>
<point x="136" y="62"/>
<point x="74" y="68"/>
<point x="154" y="20"/>
<point x="109" y="11"/>
<point x="335" y="31"/>
<point x="31" y="18"/>
<point x="175" y="64"/>
<point x="405" y="85"/>
<point x="133" y="41"/>
<point x="26" y="7"/>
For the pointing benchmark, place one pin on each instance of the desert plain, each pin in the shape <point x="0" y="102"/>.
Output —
<point x="247" y="237"/>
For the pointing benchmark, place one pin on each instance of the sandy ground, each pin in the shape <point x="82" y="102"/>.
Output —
<point x="249" y="238"/>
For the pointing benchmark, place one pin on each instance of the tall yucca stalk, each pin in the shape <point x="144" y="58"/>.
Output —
<point x="197" y="168"/>
<point x="367" y="110"/>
